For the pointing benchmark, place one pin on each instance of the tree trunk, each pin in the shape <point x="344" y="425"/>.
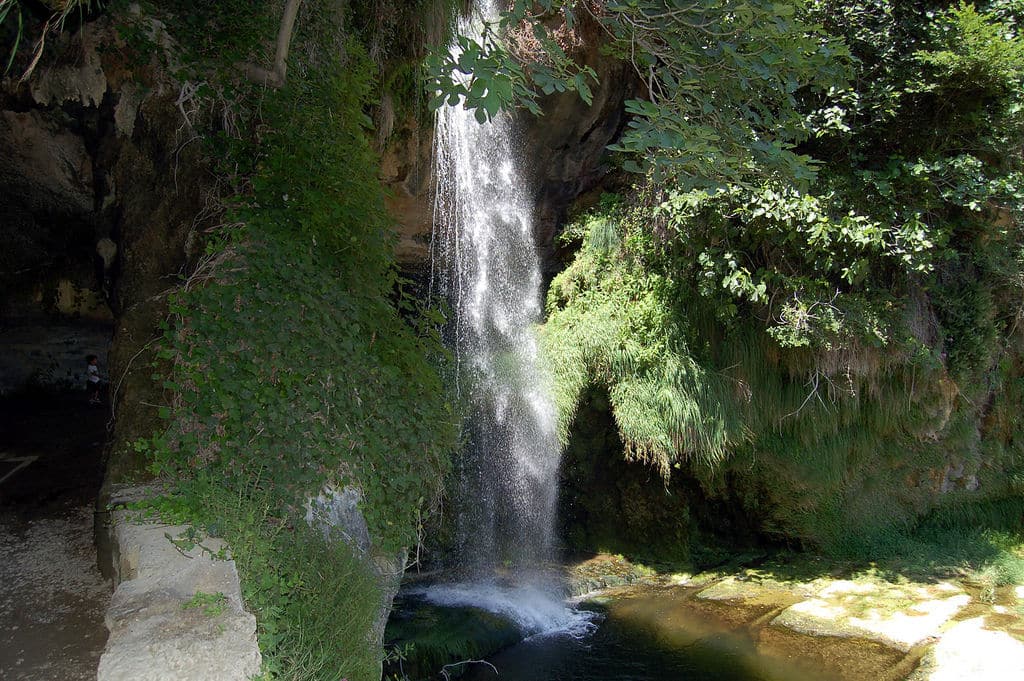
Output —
<point x="275" y="78"/>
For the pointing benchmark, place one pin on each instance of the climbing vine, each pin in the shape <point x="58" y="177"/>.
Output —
<point x="293" y="358"/>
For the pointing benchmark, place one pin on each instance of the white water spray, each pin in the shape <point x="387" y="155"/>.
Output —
<point x="487" y="265"/>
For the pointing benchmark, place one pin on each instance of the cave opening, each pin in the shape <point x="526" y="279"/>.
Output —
<point x="610" y="505"/>
<point x="56" y="265"/>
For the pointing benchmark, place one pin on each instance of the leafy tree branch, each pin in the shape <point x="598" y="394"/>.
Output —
<point x="724" y="81"/>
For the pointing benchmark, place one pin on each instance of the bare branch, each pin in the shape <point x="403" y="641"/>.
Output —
<point x="447" y="676"/>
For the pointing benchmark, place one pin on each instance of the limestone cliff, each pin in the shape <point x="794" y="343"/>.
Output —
<point x="105" y="192"/>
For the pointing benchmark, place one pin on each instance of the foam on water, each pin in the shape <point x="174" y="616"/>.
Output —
<point x="534" y="611"/>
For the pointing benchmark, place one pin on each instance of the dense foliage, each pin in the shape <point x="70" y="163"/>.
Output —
<point x="829" y="349"/>
<point x="808" y="302"/>
<point x="722" y="81"/>
<point x="293" y="358"/>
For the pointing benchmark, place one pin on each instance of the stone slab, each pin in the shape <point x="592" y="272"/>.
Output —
<point x="153" y="635"/>
<point x="901" y="616"/>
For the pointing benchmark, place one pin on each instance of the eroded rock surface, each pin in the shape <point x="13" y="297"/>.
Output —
<point x="898" y="615"/>
<point x="335" y="512"/>
<point x="177" y="613"/>
<point x="563" y="154"/>
<point x="970" y="650"/>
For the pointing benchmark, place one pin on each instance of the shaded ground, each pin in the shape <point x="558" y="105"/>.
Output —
<point x="52" y="597"/>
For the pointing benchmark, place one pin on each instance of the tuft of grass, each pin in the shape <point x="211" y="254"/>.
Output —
<point x="212" y="605"/>
<point x="982" y="543"/>
<point x="326" y="614"/>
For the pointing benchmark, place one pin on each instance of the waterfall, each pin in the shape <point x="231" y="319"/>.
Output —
<point x="487" y="266"/>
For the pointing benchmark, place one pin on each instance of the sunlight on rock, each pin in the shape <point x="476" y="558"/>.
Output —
<point x="900" y="616"/>
<point x="969" y="651"/>
<point x="920" y="621"/>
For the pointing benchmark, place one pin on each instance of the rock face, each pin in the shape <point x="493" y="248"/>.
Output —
<point x="336" y="512"/>
<point x="406" y="167"/>
<point x="563" y="153"/>
<point x="177" y="612"/>
<point x="567" y="146"/>
<point x="102" y="192"/>
<point x="49" y="170"/>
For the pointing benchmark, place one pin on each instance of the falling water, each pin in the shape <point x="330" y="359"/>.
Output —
<point x="487" y="266"/>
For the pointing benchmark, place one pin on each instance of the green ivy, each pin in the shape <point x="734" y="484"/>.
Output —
<point x="295" y="357"/>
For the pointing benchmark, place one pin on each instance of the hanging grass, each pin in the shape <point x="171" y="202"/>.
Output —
<point x="843" y="446"/>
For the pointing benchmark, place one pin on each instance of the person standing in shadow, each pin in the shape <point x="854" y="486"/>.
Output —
<point x="92" y="378"/>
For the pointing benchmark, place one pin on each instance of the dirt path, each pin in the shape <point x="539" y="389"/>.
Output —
<point x="52" y="597"/>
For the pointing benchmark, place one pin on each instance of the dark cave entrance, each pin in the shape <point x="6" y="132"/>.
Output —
<point x="56" y="263"/>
